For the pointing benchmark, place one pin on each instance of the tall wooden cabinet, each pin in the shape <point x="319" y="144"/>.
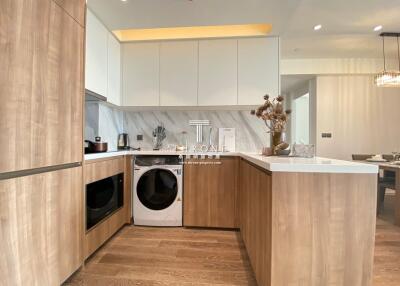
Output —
<point x="75" y="8"/>
<point x="41" y="85"/>
<point x="41" y="227"/>
<point x="210" y="192"/>
<point x="41" y="127"/>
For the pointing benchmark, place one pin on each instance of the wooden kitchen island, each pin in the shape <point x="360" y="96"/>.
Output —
<point x="308" y="221"/>
<point x="304" y="222"/>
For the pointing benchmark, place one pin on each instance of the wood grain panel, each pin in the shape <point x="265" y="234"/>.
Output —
<point x="41" y="85"/>
<point x="128" y="188"/>
<point x="169" y="257"/>
<point x="75" y="8"/>
<point x="97" y="170"/>
<point x="210" y="192"/>
<point x="101" y="233"/>
<point x="41" y="228"/>
<point x="323" y="229"/>
<point x="397" y="199"/>
<point x="182" y="256"/>
<point x="103" y="168"/>
<point x="255" y="197"/>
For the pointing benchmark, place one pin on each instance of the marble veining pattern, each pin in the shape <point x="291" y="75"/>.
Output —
<point x="110" y="125"/>
<point x="251" y="133"/>
<point x="91" y="120"/>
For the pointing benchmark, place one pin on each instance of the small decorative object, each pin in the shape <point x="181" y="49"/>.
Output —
<point x="183" y="142"/>
<point x="275" y="118"/>
<point x="303" y="150"/>
<point x="267" y="151"/>
<point x="158" y="137"/>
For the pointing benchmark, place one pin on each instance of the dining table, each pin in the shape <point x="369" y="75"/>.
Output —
<point x="395" y="168"/>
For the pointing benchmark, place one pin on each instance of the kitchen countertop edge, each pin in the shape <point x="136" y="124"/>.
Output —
<point x="273" y="164"/>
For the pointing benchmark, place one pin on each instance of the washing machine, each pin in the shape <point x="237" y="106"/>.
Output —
<point x="157" y="190"/>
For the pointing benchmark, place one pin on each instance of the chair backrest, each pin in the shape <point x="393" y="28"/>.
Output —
<point x="388" y="157"/>
<point x="361" y="157"/>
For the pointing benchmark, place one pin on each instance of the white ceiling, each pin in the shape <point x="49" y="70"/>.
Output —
<point x="347" y="24"/>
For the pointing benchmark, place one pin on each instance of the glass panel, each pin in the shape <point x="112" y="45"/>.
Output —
<point x="99" y="193"/>
<point x="157" y="189"/>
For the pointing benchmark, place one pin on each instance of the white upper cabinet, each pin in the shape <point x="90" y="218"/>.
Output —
<point x="214" y="72"/>
<point x="258" y="69"/>
<point x="114" y="71"/>
<point x="141" y="74"/>
<point x="217" y="72"/>
<point x="178" y="73"/>
<point x="96" y="55"/>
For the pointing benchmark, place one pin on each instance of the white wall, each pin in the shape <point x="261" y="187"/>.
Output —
<point x="339" y="66"/>
<point x="301" y="119"/>
<point x="290" y="95"/>
<point x="361" y="117"/>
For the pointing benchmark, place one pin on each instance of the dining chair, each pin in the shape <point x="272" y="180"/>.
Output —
<point x="387" y="181"/>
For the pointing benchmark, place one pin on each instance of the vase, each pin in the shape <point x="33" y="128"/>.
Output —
<point x="276" y="139"/>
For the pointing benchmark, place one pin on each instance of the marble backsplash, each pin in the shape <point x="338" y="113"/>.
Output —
<point x="251" y="133"/>
<point x="104" y="121"/>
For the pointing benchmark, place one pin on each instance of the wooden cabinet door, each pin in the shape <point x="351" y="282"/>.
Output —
<point x="258" y="69"/>
<point x="218" y="72"/>
<point x="255" y="212"/>
<point x="41" y="85"/>
<point x="141" y="74"/>
<point x="178" y="73"/>
<point x="96" y="55"/>
<point x="210" y="188"/>
<point x="41" y="227"/>
<point x="75" y="8"/>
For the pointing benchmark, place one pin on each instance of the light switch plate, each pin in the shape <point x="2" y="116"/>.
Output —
<point x="326" y="135"/>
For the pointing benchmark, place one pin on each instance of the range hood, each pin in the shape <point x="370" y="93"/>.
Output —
<point x="91" y="96"/>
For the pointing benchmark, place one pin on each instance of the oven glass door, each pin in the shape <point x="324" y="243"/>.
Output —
<point x="157" y="189"/>
<point x="102" y="198"/>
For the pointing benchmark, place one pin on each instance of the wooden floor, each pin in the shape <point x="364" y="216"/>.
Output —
<point x="168" y="256"/>
<point x="177" y="256"/>
<point x="387" y="248"/>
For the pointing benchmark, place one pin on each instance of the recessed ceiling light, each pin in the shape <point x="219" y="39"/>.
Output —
<point x="317" y="27"/>
<point x="124" y="0"/>
<point x="378" y="28"/>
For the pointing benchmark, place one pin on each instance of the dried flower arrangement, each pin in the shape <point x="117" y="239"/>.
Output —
<point x="275" y="118"/>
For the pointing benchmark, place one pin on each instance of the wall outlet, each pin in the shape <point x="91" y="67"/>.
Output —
<point x="139" y="137"/>
<point x="326" y="135"/>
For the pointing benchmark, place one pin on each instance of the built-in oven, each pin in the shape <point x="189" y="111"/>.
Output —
<point x="103" y="197"/>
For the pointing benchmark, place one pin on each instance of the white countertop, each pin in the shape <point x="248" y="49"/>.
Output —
<point x="273" y="163"/>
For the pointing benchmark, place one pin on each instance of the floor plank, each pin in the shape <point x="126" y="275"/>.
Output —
<point x="150" y="256"/>
<point x="387" y="247"/>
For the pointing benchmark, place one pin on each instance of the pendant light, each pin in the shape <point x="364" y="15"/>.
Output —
<point x="389" y="78"/>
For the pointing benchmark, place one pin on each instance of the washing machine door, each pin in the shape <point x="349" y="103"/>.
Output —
<point x="157" y="189"/>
